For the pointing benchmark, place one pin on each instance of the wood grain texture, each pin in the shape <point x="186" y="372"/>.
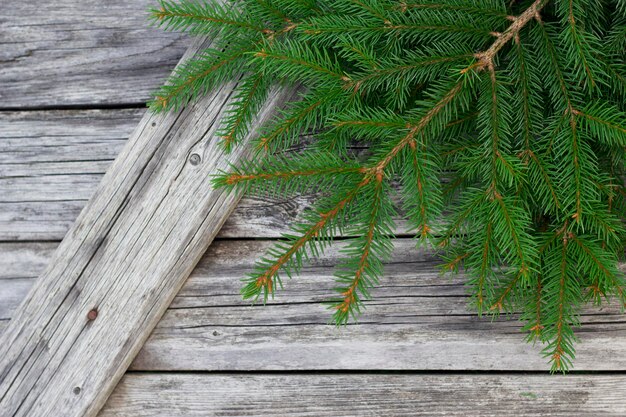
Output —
<point x="103" y="54"/>
<point x="127" y="255"/>
<point x="418" y="320"/>
<point x="88" y="52"/>
<point x="52" y="161"/>
<point x="142" y="395"/>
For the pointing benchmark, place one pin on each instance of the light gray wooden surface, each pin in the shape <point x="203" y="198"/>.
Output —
<point x="87" y="52"/>
<point x="418" y="320"/>
<point x="74" y="75"/>
<point x="52" y="161"/>
<point x="331" y="395"/>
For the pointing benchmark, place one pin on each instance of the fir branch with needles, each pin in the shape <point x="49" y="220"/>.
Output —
<point x="500" y="125"/>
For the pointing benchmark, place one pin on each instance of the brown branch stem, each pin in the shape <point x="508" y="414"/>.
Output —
<point x="485" y="58"/>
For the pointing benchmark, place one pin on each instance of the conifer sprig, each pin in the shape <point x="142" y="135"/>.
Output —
<point x="502" y="125"/>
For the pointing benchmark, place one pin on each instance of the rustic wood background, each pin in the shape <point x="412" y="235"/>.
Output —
<point x="74" y="77"/>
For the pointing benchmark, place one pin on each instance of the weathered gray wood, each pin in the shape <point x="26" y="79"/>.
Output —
<point x="51" y="162"/>
<point x="88" y="52"/>
<point x="142" y="395"/>
<point x="25" y="260"/>
<point x="418" y="320"/>
<point x="58" y="142"/>
<point x="127" y="255"/>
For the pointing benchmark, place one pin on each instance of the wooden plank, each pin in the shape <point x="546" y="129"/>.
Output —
<point x="126" y="257"/>
<point x="25" y="260"/>
<point x="52" y="161"/>
<point x="72" y="142"/>
<point x="64" y="52"/>
<point x="416" y="313"/>
<point x="50" y="164"/>
<point x="34" y="219"/>
<point x="142" y="395"/>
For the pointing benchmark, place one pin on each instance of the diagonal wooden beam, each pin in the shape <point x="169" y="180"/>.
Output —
<point x="121" y="264"/>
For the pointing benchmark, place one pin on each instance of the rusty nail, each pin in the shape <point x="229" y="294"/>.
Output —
<point x="92" y="314"/>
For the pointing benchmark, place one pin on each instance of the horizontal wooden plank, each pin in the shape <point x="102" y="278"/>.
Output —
<point x="88" y="52"/>
<point x="142" y="395"/>
<point x="35" y="139"/>
<point x="24" y="260"/>
<point x="51" y="162"/>
<point x="417" y="320"/>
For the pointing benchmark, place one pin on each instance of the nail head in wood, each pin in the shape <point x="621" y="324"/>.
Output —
<point x="194" y="159"/>
<point x="76" y="390"/>
<point x="92" y="314"/>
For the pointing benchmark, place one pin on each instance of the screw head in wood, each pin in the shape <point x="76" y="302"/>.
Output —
<point x="194" y="159"/>
<point x="92" y="314"/>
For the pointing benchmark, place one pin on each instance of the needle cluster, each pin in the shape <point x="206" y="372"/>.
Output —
<point x="500" y="125"/>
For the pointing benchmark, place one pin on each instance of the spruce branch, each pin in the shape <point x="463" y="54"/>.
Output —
<point x="511" y="160"/>
<point x="363" y="266"/>
<point x="264" y="282"/>
<point x="477" y="8"/>
<point x="201" y="17"/>
<point x="250" y="97"/>
<point x="535" y="326"/>
<point x="198" y="76"/>
<point x="563" y="296"/>
<point x="604" y="122"/>
<point x="486" y="58"/>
